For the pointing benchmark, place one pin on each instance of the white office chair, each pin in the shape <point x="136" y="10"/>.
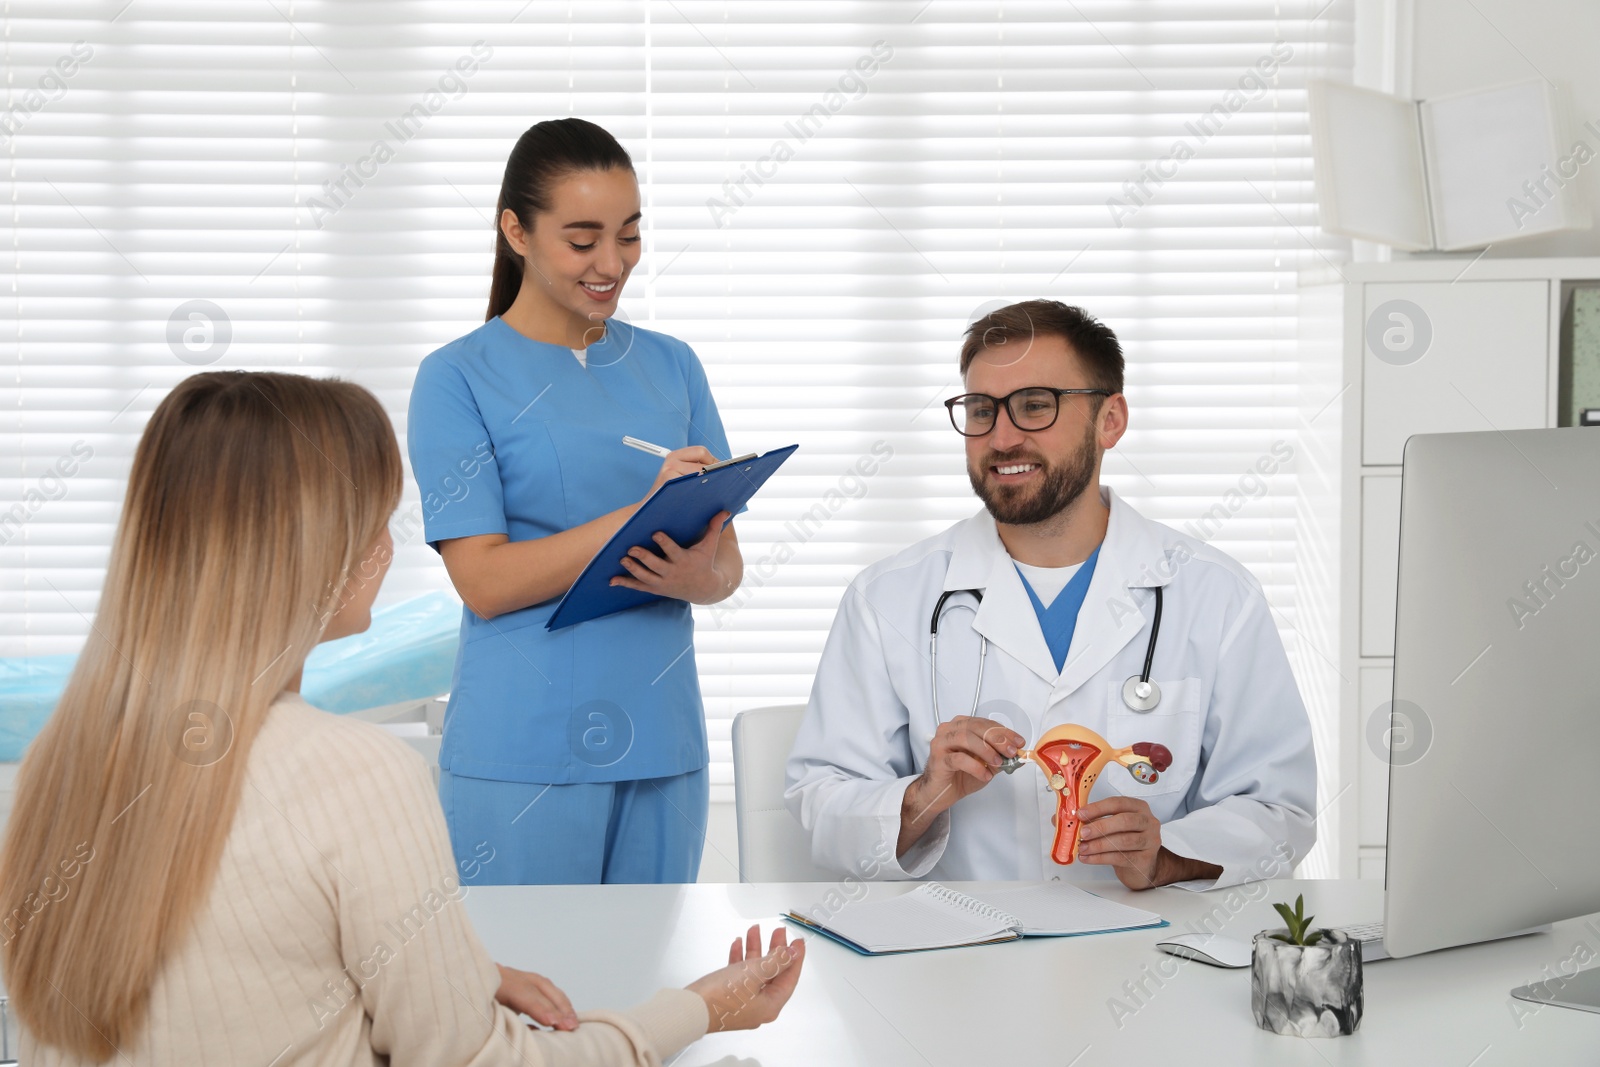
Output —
<point x="772" y="845"/>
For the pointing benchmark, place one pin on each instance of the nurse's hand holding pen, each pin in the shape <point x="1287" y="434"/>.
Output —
<point x="962" y="759"/>
<point x="690" y="573"/>
<point x="674" y="462"/>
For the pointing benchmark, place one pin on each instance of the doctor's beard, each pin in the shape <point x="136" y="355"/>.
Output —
<point x="1062" y="484"/>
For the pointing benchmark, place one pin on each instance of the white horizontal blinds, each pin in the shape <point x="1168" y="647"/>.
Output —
<point x="975" y="166"/>
<point x="321" y="175"/>
<point x="970" y="159"/>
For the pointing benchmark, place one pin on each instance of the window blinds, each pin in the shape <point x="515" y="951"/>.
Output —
<point x="831" y="191"/>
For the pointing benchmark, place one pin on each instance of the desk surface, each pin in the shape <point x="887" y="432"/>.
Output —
<point x="1066" y="1002"/>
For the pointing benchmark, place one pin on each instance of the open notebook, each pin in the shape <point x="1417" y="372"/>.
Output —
<point x="936" y="916"/>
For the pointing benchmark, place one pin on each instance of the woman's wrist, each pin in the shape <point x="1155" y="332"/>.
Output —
<point x="712" y="1022"/>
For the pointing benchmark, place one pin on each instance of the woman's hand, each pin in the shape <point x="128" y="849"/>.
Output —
<point x="683" y="461"/>
<point x="537" y="997"/>
<point x="690" y="574"/>
<point x="752" y="989"/>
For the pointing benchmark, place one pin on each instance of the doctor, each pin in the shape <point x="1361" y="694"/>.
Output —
<point x="1069" y="577"/>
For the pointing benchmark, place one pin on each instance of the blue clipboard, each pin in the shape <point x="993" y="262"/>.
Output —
<point x="681" y="509"/>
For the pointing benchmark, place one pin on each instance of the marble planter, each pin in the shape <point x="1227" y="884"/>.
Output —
<point x="1306" y="990"/>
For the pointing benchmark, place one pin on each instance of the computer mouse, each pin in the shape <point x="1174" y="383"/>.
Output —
<point x="1214" y="949"/>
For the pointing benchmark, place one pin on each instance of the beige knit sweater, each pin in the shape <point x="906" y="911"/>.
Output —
<point x="334" y="933"/>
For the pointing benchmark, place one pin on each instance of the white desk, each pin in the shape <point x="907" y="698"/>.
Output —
<point x="1044" y="1001"/>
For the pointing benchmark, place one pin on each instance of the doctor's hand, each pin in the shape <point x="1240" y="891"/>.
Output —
<point x="682" y="573"/>
<point x="963" y="758"/>
<point x="1121" y="832"/>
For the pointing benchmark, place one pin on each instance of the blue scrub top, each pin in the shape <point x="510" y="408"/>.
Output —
<point x="514" y="436"/>
<point x="1059" y="621"/>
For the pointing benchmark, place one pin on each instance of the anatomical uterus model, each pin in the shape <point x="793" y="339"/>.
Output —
<point x="1071" y="757"/>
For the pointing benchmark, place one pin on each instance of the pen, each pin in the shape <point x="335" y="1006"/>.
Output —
<point x="646" y="446"/>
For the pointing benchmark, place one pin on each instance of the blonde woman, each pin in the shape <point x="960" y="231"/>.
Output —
<point x="200" y="867"/>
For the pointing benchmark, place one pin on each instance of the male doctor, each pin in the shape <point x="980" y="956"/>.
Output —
<point x="1068" y="575"/>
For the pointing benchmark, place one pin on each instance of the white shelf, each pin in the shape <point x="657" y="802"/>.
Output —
<point x="1491" y="362"/>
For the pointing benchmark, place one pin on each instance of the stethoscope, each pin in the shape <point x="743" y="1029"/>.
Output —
<point x="1139" y="693"/>
<point x="933" y="648"/>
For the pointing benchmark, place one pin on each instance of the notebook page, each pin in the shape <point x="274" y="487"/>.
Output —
<point x="1063" y="908"/>
<point x="920" y="919"/>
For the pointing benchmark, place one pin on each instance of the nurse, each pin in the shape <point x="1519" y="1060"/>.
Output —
<point x="1079" y="594"/>
<point x="577" y="755"/>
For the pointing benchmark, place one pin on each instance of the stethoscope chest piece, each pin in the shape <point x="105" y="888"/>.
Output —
<point x="1140" y="694"/>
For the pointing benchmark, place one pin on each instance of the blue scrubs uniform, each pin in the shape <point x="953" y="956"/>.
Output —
<point x="1060" y="619"/>
<point x="578" y="755"/>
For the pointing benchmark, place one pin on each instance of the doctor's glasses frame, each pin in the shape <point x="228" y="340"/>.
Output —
<point x="1034" y="407"/>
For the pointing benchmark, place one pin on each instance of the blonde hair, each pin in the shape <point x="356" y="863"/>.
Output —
<point x="251" y="501"/>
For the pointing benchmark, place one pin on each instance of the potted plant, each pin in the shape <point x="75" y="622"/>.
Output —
<point x="1305" y="982"/>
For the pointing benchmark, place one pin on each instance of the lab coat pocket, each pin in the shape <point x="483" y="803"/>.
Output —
<point x="1174" y="723"/>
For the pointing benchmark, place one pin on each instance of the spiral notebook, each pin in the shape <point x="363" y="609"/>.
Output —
<point x="936" y="916"/>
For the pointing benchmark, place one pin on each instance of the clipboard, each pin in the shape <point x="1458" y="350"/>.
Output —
<point x="681" y="509"/>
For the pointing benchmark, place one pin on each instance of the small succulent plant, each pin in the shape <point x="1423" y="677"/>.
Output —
<point x="1298" y="922"/>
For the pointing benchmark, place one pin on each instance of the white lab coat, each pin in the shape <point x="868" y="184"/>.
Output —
<point x="1241" y="788"/>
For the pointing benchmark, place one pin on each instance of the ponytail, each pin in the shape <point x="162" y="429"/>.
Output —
<point x="545" y="152"/>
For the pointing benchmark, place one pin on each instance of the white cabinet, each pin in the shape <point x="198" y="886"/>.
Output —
<point x="1427" y="345"/>
<point x="1445" y="357"/>
<point x="1376" y="686"/>
<point x="1380" y="557"/>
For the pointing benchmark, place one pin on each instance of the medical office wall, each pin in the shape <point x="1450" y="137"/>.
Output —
<point x="831" y="192"/>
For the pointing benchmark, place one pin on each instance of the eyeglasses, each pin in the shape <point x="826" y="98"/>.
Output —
<point x="1033" y="408"/>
